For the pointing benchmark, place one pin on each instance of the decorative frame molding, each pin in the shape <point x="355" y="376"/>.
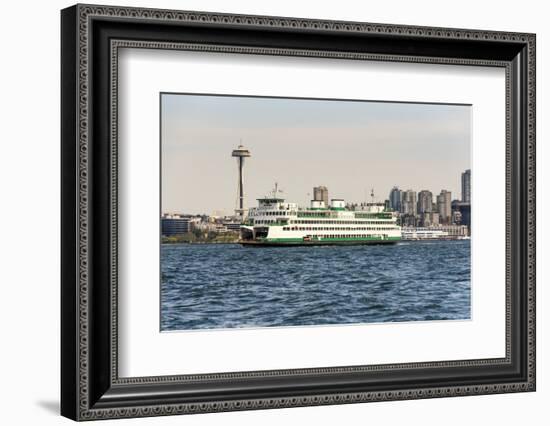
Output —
<point x="91" y="37"/>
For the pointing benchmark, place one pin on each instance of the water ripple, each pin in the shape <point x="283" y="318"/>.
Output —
<point x="226" y="286"/>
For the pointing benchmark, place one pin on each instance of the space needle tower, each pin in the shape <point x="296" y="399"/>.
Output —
<point x="240" y="153"/>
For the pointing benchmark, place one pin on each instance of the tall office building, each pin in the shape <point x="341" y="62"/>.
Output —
<point x="425" y="201"/>
<point x="408" y="202"/>
<point x="320" y="193"/>
<point x="395" y="199"/>
<point x="444" y="206"/>
<point x="466" y="186"/>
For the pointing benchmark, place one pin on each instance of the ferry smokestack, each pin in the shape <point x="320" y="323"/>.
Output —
<point x="240" y="153"/>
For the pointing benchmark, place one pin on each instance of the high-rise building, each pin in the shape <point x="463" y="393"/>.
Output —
<point x="466" y="186"/>
<point x="320" y="193"/>
<point x="408" y="202"/>
<point x="425" y="201"/>
<point x="444" y="206"/>
<point x="395" y="199"/>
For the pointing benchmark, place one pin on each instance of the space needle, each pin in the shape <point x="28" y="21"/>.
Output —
<point x="240" y="153"/>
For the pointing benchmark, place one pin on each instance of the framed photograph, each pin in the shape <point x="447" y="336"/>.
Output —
<point x="263" y="212"/>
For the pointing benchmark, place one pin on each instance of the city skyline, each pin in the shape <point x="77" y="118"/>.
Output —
<point x="330" y="197"/>
<point x="303" y="144"/>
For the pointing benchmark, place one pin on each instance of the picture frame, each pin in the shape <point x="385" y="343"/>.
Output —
<point x="91" y="37"/>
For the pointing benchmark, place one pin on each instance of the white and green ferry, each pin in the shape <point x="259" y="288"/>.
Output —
<point x="278" y="223"/>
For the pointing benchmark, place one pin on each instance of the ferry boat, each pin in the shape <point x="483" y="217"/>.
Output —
<point x="275" y="222"/>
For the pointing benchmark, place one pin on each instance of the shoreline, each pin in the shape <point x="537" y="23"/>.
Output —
<point x="429" y="240"/>
<point x="168" y="243"/>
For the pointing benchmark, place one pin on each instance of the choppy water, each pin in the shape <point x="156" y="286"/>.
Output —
<point x="226" y="285"/>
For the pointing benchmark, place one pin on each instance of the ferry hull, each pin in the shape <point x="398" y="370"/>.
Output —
<point x="256" y="243"/>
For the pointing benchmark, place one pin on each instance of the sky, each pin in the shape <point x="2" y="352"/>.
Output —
<point x="350" y="147"/>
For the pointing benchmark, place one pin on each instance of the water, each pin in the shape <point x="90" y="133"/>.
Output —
<point x="226" y="285"/>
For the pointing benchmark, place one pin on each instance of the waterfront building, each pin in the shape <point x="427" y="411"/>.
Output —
<point x="425" y="201"/>
<point x="449" y="232"/>
<point x="444" y="206"/>
<point x="423" y="233"/>
<point x="466" y="186"/>
<point x="456" y="217"/>
<point x="208" y="226"/>
<point x="465" y="212"/>
<point x="173" y="224"/>
<point x="395" y="199"/>
<point x="456" y="231"/>
<point x="320" y="193"/>
<point x="221" y="228"/>
<point x="232" y="226"/>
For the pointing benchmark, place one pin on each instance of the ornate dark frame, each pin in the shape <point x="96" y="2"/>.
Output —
<point x="91" y="37"/>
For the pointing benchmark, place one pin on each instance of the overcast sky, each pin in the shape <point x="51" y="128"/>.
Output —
<point x="349" y="147"/>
